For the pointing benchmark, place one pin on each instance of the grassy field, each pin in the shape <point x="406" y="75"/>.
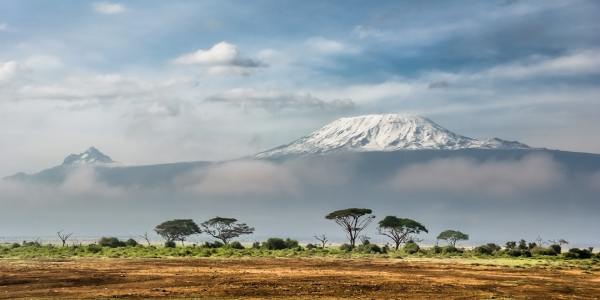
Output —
<point x="91" y="272"/>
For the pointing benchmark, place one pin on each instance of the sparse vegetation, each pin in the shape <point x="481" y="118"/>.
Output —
<point x="225" y="229"/>
<point x="352" y="220"/>
<point x="177" y="230"/>
<point x="452" y="236"/>
<point x="399" y="229"/>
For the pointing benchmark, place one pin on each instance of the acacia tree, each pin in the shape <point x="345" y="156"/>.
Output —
<point x="322" y="239"/>
<point x="452" y="236"/>
<point x="177" y="230"/>
<point x="399" y="229"/>
<point x="145" y="237"/>
<point x="64" y="237"/>
<point x="225" y="229"/>
<point x="352" y="220"/>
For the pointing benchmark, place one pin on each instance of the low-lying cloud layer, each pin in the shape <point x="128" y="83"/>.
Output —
<point x="534" y="172"/>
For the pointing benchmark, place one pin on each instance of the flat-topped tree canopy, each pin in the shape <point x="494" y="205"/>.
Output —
<point x="452" y="236"/>
<point x="399" y="229"/>
<point x="225" y="229"/>
<point x="352" y="220"/>
<point x="356" y="212"/>
<point x="220" y="220"/>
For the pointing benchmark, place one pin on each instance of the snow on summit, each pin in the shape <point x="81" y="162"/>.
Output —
<point x="90" y="156"/>
<point x="386" y="132"/>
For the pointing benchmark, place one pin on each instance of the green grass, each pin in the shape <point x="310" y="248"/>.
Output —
<point x="469" y="257"/>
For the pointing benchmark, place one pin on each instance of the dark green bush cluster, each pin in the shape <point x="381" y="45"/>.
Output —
<point x="113" y="242"/>
<point x="487" y="249"/>
<point x="411" y="248"/>
<point x="577" y="253"/>
<point x="213" y="245"/>
<point x="279" y="244"/>
<point x="368" y="249"/>
<point x="236" y="245"/>
<point x="447" y="250"/>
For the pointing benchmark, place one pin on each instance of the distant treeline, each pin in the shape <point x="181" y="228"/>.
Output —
<point x="402" y="233"/>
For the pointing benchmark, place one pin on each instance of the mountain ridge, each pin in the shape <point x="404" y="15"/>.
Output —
<point x="384" y="132"/>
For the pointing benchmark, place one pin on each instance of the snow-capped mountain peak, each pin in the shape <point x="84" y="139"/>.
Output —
<point x="386" y="132"/>
<point x="90" y="156"/>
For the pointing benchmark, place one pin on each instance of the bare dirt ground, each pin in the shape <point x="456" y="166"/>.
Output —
<point x="288" y="278"/>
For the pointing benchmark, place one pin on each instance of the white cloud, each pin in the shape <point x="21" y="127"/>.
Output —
<point x="109" y="8"/>
<point x="241" y="178"/>
<point x="329" y="46"/>
<point x="221" y="58"/>
<point x="275" y="100"/>
<point x="9" y="70"/>
<point x="468" y="176"/>
<point x="583" y="62"/>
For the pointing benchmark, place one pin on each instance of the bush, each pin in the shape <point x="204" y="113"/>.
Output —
<point x="31" y="244"/>
<point x="236" y="245"/>
<point x="93" y="248"/>
<point x="131" y="243"/>
<point x="368" y="248"/>
<point x="556" y="248"/>
<point x="544" y="251"/>
<point x="279" y="244"/>
<point x="289" y="243"/>
<point x="111" y="242"/>
<point x="488" y="249"/>
<point x="411" y="248"/>
<point x="311" y="246"/>
<point x="514" y="252"/>
<point x="15" y="245"/>
<point x="213" y="245"/>
<point x="577" y="253"/>
<point x="256" y="245"/>
<point x="346" y="247"/>
<point x="170" y="244"/>
<point x="451" y="250"/>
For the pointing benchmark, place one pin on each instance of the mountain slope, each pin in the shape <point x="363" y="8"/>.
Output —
<point x="89" y="157"/>
<point x="388" y="132"/>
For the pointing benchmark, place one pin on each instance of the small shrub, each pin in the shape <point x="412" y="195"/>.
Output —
<point x="31" y="244"/>
<point x="93" y="248"/>
<point x="236" y="245"/>
<point x="510" y="245"/>
<point x="544" y="251"/>
<point x="15" y="245"/>
<point x="451" y="250"/>
<point x="131" y="243"/>
<point x="368" y="248"/>
<point x="346" y="247"/>
<point x="256" y="245"/>
<point x="311" y="246"/>
<point x="289" y="243"/>
<point x="111" y="242"/>
<point x="556" y="248"/>
<point x="170" y="244"/>
<point x="213" y="245"/>
<point x="411" y="248"/>
<point x="488" y="249"/>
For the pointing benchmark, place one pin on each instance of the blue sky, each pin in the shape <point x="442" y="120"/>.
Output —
<point x="162" y="81"/>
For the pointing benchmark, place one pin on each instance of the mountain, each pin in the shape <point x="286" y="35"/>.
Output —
<point x="378" y="145"/>
<point x="89" y="157"/>
<point x="384" y="133"/>
<point x="109" y="171"/>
